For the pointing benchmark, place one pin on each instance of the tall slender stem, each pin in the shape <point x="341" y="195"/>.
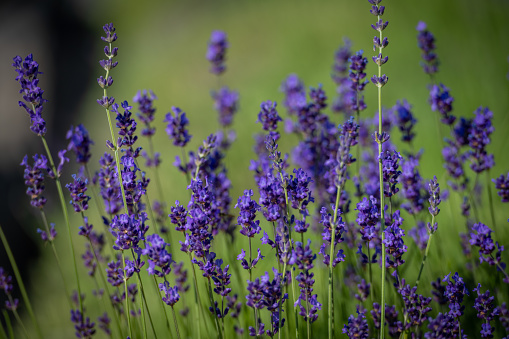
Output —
<point x="176" y="324"/>
<point x="21" y="286"/>
<point x="59" y="265"/>
<point x="331" y="256"/>
<point x="66" y="216"/>
<point x="490" y="199"/>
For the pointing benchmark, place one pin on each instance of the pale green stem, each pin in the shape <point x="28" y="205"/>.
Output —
<point x="16" y="315"/>
<point x="161" y="303"/>
<point x="8" y="324"/>
<point x="490" y="199"/>
<point x="425" y="254"/>
<point x="59" y="265"/>
<point x="127" y="313"/>
<point x="175" y="321"/>
<point x="66" y="217"/>
<point x="21" y="286"/>
<point x="331" y="258"/>
<point x="382" y="202"/>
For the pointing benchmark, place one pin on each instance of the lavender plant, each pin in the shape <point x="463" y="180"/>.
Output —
<point x="298" y="207"/>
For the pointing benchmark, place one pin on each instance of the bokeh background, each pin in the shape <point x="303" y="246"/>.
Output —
<point x="162" y="47"/>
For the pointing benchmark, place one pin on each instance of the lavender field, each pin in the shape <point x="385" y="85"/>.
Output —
<point x="269" y="170"/>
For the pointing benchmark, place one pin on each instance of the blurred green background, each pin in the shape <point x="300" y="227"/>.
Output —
<point x="162" y="46"/>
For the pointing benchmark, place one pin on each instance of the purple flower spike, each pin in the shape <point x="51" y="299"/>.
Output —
<point x="34" y="179"/>
<point x="48" y="237"/>
<point x="391" y="172"/>
<point x="79" y="143"/>
<point x="77" y="190"/>
<point x="216" y="51"/>
<point x="482" y="239"/>
<point x="479" y="138"/>
<point x="145" y="101"/>
<point x="171" y="294"/>
<point x="426" y="42"/>
<point x="357" y="327"/>
<point x="502" y="185"/>
<point x="176" y="128"/>
<point x="434" y="197"/>
<point x="394" y="245"/>
<point x="441" y="101"/>
<point x="28" y="70"/>
<point x="404" y="120"/>
<point x="268" y="116"/>
<point x="84" y="327"/>
<point x="295" y="94"/>
<point x="248" y="209"/>
<point x="226" y="104"/>
<point x="157" y="256"/>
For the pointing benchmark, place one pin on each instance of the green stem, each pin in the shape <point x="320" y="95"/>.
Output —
<point x="66" y="217"/>
<point x="20" y="282"/>
<point x="331" y="275"/>
<point x="161" y="303"/>
<point x="382" y="202"/>
<point x="18" y="319"/>
<point x="175" y="321"/>
<point x="197" y="298"/>
<point x="425" y="254"/>
<point x="490" y="199"/>
<point x="59" y="265"/>
<point x="8" y="324"/>
<point x="127" y="313"/>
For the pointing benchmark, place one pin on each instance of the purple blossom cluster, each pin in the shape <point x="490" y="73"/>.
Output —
<point x="28" y="71"/>
<point x="426" y="42"/>
<point x="34" y="179"/>
<point x="79" y="143"/>
<point x="216" y="52"/>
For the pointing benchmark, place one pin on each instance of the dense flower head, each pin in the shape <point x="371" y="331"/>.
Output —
<point x="145" y="102"/>
<point x="84" y="327"/>
<point x="79" y="143"/>
<point x="28" y="70"/>
<point x="216" y="52"/>
<point x="434" y="197"/>
<point x="295" y="94"/>
<point x="441" y="101"/>
<point x="111" y="36"/>
<point x="171" y="294"/>
<point x="444" y="325"/>
<point x="129" y="230"/>
<point x="126" y="125"/>
<point x="221" y="279"/>
<point x="395" y="326"/>
<point x="157" y="255"/>
<point x="416" y="305"/>
<point x="394" y="245"/>
<point x="426" y="42"/>
<point x="479" y="138"/>
<point x="268" y="115"/>
<point x="368" y="217"/>
<point x="481" y="237"/>
<point x="34" y="179"/>
<point x="78" y="189"/>
<point x="391" y="172"/>
<point x="455" y="291"/>
<point x="247" y="214"/>
<point x="502" y="185"/>
<point x="176" y="128"/>
<point x="453" y="160"/>
<point x="484" y="304"/>
<point x="341" y="77"/>
<point x="299" y="190"/>
<point x="357" y="327"/>
<point x="109" y="184"/>
<point x="178" y="216"/>
<point x="357" y="78"/>
<point x="405" y="120"/>
<point x="226" y="103"/>
<point x="327" y="221"/>
<point x="412" y="186"/>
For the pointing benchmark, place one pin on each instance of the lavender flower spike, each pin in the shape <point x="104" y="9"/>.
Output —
<point x="216" y="51"/>
<point x="176" y="128"/>
<point x="502" y="185"/>
<point x="28" y="70"/>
